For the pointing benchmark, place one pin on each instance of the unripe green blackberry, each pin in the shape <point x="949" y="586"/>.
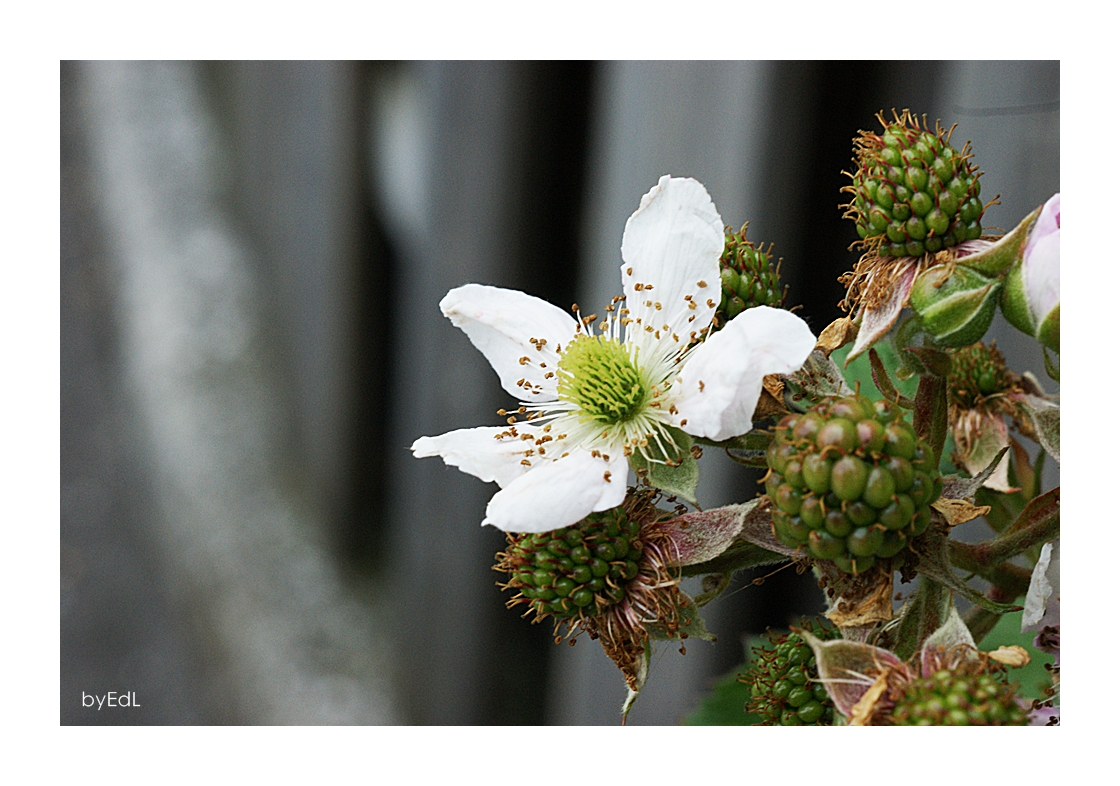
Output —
<point x="947" y="698"/>
<point x="576" y="571"/>
<point x="978" y="371"/>
<point x="783" y="680"/>
<point x="850" y="481"/>
<point x="747" y="278"/>
<point x="913" y="193"/>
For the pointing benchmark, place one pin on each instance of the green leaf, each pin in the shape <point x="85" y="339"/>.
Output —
<point x="704" y="534"/>
<point x="1033" y="677"/>
<point x="691" y="624"/>
<point x="817" y="378"/>
<point x="726" y="704"/>
<point x="931" y="411"/>
<point x="859" y="371"/>
<point x="738" y="556"/>
<point x="1053" y="366"/>
<point x="1013" y="301"/>
<point x="1001" y="255"/>
<point x="1049" y="330"/>
<point x="677" y="481"/>
<point x="1046" y="417"/>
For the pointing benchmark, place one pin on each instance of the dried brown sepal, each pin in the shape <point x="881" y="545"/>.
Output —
<point x="771" y="403"/>
<point x="958" y="511"/>
<point x="857" y="603"/>
<point x="840" y="332"/>
<point x="1013" y="656"/>
<point x="864" y="710"/>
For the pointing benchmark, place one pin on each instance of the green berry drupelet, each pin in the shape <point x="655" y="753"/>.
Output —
<point x="782" y="678"/>
<point x="850" y="482"/>
<point x="913" y="193"/>
<point x="946" y="698"/>
<point x="978" y="371"/>
<point x="578" y="570"/>
<point x="747" y="279"/>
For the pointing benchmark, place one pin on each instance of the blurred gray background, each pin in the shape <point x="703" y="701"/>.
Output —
<point x="252" y="254"/>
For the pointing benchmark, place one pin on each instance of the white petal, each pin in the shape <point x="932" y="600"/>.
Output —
<point x="1041" y="606"/>
<point x="483" y="452"/>
<point x="559" y="493"/>
<point x="500" y="324"/>
<point x="731" y="365"/>
<point x="673" y="243"/>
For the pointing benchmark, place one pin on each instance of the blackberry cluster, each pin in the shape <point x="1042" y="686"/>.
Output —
<point x="948" y="699"/>
<point x="913" y="192"/>
<point x="586" y="566"/>
<point x="782" y="678"/>
<point x="978" y="371"/>
<point x="850" y="481"/>
<point x="746" y="278"/>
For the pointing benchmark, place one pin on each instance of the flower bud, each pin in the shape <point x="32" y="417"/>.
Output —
<point x="1032" y="297"/>
<point x="955" y="304"/>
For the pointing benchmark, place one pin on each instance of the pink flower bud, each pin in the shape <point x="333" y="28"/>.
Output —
<point x="1041" y="273"/>
<point x="1031" y="298"/>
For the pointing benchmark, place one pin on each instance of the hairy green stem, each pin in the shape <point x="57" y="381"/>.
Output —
<point x="931" y="411"/>
<point x="1037" y="524"/>
<point x="882" y="381"/>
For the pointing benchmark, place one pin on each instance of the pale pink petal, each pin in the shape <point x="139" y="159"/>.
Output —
<point x="848" y="668"/>
<point x="876" y="322"/>
<point x="488" y="453"/>
<point x="558" y="493"/>
<point x="1049" y="222"/>
<point x="520" y="335"/>
<point x="670" y="271"/>
<point x="1042" y="275"/>
<point x="721" y="381"/>
<point x="1041" y="260"/>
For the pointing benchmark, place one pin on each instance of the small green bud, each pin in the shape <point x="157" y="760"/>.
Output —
<point x="955" y="304"/>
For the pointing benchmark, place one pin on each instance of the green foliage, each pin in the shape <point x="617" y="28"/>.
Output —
<point x="859" y="371"/>
<point x="726" y="704"/>
<point x="1033" y="677"/>
<point x="675" y="481"/>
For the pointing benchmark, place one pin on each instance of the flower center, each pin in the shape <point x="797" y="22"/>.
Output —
<point x="597" y="375"/>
